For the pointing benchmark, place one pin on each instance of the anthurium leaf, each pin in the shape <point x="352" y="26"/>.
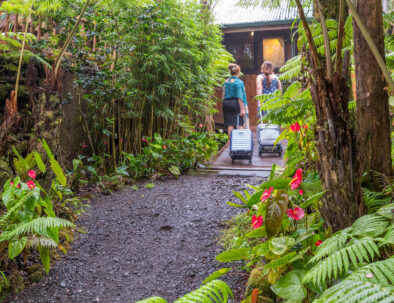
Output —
<point x="282" y="261"/>
<point x="15" y="247"/>
<point x="217" y="274"/>
<point x="239" y="196"/>
<point x="275" y="211"/>
<point x="257" y="233"/>
<point x="280" y="245"/>
<point x="289" y="286"/>
<point x="58" y="171"/>
<point x="233" y="255"/>
<point x="44" y="256"/>
<point x="281" y="183"/>
<point x="312" y="200"/>
<point x="236" y="205"/>
<point x="255" y="198"/>
<point x="39" y="162"/>
<point x="261" y="250"/>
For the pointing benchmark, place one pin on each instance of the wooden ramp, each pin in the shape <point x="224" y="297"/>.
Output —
<point x="260" y="166"/>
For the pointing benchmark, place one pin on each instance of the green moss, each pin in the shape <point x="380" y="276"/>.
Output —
<point x="258" y="280"/>
<point x="36" y="273"/>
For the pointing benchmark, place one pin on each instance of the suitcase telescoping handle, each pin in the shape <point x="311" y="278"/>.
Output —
<point x="246" y="116"/>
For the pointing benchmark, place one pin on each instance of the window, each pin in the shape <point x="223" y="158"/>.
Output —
<point x="241" y="46"/>
<point x="274" y="51"/>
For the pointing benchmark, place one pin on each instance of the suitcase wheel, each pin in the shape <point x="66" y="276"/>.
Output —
<point x="250" y="161"/>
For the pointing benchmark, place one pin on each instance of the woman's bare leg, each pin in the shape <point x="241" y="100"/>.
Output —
<point x="229" y="129"/>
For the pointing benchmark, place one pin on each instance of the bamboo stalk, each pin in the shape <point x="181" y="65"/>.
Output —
<point x="379" y="58"/>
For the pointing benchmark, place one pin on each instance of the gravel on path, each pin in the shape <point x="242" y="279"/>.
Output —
<point x="142" y="243"/>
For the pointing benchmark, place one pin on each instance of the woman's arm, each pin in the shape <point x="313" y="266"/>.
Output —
<point x="223" y="92"/>
<point x="259" y="85"/>
<point x="241" y="106"/>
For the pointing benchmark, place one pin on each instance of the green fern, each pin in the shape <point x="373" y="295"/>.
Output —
<point x="375" y="200"/>
<point x="214" y="291"/>
<point x="38" y="226"/>
<point x="381" y="272"/>
<point x="370" y="225"/>
<point x="41" y="242"/>
<point x="338" y="263"/>
<point x="350" y="291"/>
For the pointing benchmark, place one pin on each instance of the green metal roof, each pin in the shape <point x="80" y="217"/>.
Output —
<point x="229" y="15"/>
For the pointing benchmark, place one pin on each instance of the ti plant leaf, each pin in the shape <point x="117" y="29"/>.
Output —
<point x="276" y="210"/>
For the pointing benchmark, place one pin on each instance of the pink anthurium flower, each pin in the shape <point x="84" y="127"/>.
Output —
<point x="305" y="126"/>
<point x="318" y="243"/>
<point x="32" y="174"/>
<point x="296" y="179"/>
<point x="12" y="184"/>
<point x="165" y="147"/>
<point x="296" y="213"/>
<point x="85" y="146"/>
<point x="295" y="127"/>
<point x="266" y="194"/>
<point x="200" y="126"/>
<point x="257" y="221"/>
<point x="301" y="192"/>
<point x="31" y="184"/>
<point x="144" y="140"/>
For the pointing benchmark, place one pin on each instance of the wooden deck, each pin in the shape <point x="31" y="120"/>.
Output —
<point x="264" y="163"/>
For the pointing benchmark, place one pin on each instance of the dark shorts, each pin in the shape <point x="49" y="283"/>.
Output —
<point x="231" y="111"/>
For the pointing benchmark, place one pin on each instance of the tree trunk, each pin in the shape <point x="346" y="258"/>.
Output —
<point x="373" y="122"/>
<point x="343" y="202"/>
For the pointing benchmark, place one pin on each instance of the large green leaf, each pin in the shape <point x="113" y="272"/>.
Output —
<point x="275" y="211"/>
<point x="289" y="287"/>
<point x="257" y="233"/>
<point x="58" y="171"/>
<point x="280" y="245"/>
<point x="15" y="247"/>
<point x="255" y="198"/>
<point x="39" y="162"/>
<point x="44" y="256"/>
<point x="174" y="170"/>
<point x="312" y="200"/>
<point x="233" y="255"/>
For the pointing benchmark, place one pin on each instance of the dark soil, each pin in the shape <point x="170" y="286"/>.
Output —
<point x="149" y="242"/>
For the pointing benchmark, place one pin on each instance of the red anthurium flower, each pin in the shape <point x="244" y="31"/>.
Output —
<point x="301" y="192"/>
<point x="266" y="194"/>
<point x="295" y="127"/>
<point x="296" y="213"/>
<point x="200" y="126"/>
<point x="165" y="147"/>
<point x="32" y="174"/>
<point x="296" y="179"/>
<point x="31" y="184"/>
<point x="257" y="221"/>
<point x="318" y="243"/>
<point x="85" y="146"/>
<point x="145" y="140"/>
<point x="305" y="126"/>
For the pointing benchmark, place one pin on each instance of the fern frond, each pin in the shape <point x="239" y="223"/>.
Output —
<point x="41" y="242"/>
<point x="375" y="200"/>
<point x="389" y="236"/>
<point x="370" y="225"/>
<point x="214" y="291"/>
<point x="338" y="263"/>
<point x="381" y="272"/>
<point x="350" y="291"/>
<point x="39" y="226"/>
<point x="153" y="300"/>
<point x="34" y="194"/>
<point x="331" y="245"/>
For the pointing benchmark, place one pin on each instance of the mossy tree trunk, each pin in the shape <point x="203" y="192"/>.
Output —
<point x="373" y="122"/>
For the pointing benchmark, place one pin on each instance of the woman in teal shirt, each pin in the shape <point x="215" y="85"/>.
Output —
<point x="234" y="99"/>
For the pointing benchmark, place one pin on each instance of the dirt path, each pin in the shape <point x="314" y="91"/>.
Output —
<point x="159" y="241"/>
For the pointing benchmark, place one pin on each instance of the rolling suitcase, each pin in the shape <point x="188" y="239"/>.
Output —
<point x="267" y="134"/>
<point x="241" y="144"/>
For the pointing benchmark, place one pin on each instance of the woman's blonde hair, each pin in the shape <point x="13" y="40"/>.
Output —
<point x="267" y="68"/>
<point x="234" y="69"/>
